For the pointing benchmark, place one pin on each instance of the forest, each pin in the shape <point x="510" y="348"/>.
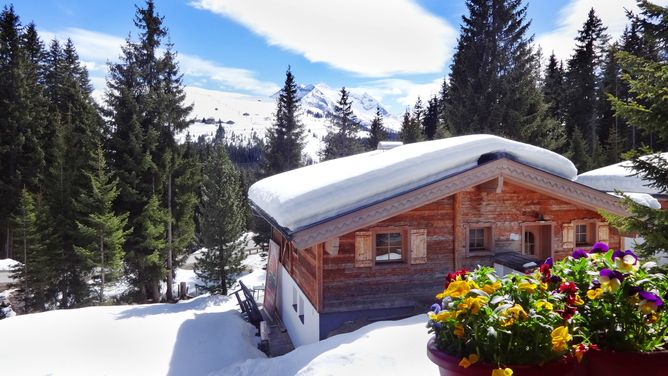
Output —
<point x="97" y="191"/>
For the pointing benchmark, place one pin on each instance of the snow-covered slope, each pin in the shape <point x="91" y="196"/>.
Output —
<point x="245" y="115"/>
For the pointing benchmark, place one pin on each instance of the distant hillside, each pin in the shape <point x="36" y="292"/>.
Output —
<point x="244" y="115"/>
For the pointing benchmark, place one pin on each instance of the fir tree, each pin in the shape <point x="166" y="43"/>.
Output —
<point x="222" y="224"/>
<point x="647" y="80"/>
<point x="430" y="122"/>
<point x="410" y="131"/>
<point x="377" y="132"/>
<point x="341" y="139"/>
<point x="102" y="232"/>
<point x="583" y="81"/>
<point x="285" y="138"/>
<point x="149" y="255"/>
<point x="553" y="88"/>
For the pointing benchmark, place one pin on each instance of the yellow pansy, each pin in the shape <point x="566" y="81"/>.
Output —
<point x="527" y="286"/>
<point x="491" y="288"/>
<point x="578" y="300"/>
<point x="457" y="289"/>
<point x="560" y="338"/>
<point x="543" y="305"/>
<point x="513" y="314"/>
<point x="502" y="372"/>
<point x="472" y="304"/>
<point x="459" y="330"/>
<point x="594" y="294"/>
<point x="543" y="286"/>
<point x="467" y="361"/>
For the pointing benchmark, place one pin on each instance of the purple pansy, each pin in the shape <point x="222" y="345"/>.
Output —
<point x="436" y="308"/>
<point x="652" y="298"/>
<point x="599" y="247"/>
<point x="611" y="274"/>
<point x="549" y="261"/>
<point x="622" y="254"/>
<point x="579" y="253"/>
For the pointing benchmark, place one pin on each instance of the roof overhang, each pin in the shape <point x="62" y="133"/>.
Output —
<point x="505" y="168"/>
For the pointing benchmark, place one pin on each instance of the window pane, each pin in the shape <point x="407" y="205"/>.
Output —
<point x="477" y="238"/>
<point x="581" y="234"/>
<point x="388" y="247"/>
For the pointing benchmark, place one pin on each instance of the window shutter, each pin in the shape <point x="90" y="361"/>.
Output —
<point x="363" y="251"/>
<point x="567" y="236"/>
<point x="603" y="233"/>
<point x="419" y="246"/>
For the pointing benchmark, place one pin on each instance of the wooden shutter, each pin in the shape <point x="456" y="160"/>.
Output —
<point x="419" y="246"/>
<point x="603" y="233"/>
<point x="567" y="235"/>
<point x="363" y="250"/>
<point x="332" y="246"/>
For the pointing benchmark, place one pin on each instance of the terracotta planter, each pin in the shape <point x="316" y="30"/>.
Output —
<point x="449" y="366"/>
<point x="604" y="362"/>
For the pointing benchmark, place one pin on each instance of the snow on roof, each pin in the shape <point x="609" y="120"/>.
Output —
<point x="307" y="195"/>
<point x="641" y="198"/>
<point x="617" y="177"/>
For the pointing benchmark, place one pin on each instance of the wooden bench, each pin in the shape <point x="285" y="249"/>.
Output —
<point x="248" y="305"/>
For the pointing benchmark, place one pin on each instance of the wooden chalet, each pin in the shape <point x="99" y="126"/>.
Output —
<point x="338" y="254"/>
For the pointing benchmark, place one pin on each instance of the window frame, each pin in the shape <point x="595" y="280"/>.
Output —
<point x="591" y="227"/>
<point x="488" y="239"/>
<point x="405" y="257"/>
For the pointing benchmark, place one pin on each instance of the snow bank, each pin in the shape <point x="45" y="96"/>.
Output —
<point x="642" y="199"/>
<point x="7" y="264"/>
<point x="383" y="348"/>
<point x="190" y="338"/>
<point x="617" y="177"/>
<point x="307" y="195"/>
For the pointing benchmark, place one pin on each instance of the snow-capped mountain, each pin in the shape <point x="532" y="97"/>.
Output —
<point x="245" y="115"/>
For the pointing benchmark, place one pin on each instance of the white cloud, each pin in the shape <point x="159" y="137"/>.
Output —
<point x="574" y="14"/>
<point x="375" y="38"/>
<point x="95" y="49"/>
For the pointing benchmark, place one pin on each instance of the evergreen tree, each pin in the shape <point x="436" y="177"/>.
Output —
<point x="377" y="132"/>
<point x="583" y="80"/>
<point x="148" y="256"/>
<point x="493" y="86"/>
<point x="285" y="138"/>
<point x="22" y="110"/>
<point x="410" y="131"/>
<point x="341" y="139"/>
<point x="102" y="232"/>
<point x="430" y="122"/>
<point x="222" y="224"/>
<point x="554" y="88"/>
<point x="34" y="274"/>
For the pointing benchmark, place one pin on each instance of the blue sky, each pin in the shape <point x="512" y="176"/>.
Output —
<point x="393" y="49"/>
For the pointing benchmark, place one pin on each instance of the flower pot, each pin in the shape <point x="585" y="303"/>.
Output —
<point x="605" y="362"/>
<point x="449" y="366"/>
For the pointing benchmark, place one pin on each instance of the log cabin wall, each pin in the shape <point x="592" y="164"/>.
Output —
<point x="347" y="287"/>
<point x="302" y="265"/>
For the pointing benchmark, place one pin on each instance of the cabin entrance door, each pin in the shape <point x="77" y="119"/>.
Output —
<point x="537" y="240"/>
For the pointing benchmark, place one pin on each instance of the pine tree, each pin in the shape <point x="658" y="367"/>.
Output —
<point x="22" y="110"/>
<point x="102" y="232"/>
<point x="410" y="131"/>
<point x="34" y="274"/>
<point x="377" y="132"/>
<point x="493" y="85"/>
<point x="341" y="139"/>
<point x="285" y="138"/>
<point x="430" y="122"/>
<point x="584" y="82"/>
<point x="148" y="256"/>
<point x="222" y="224"/>
<point x="553" y="89"/>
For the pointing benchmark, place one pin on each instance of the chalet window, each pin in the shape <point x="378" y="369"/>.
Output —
<point x="479" y="239"/>
<point x="584" y="233"/>
<point x="389" y="246"/>
<point x="529" y="243"/>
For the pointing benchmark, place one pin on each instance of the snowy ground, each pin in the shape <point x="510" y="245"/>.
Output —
<point x="202" y="336"/>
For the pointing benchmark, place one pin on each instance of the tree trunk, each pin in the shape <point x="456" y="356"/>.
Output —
<point x="102" y="268"/>
<point x="169" y="237"/>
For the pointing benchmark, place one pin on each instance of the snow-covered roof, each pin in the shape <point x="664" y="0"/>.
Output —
<point x="619" y="177"/>
<point x="301" y="197"/>
<point x="7" y="264"/>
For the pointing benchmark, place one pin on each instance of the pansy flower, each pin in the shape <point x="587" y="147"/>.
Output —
<point x="610" y="280"/>
<point x="599" y="247"/>
<point x="625" y="260"/>
<point x="436" y="308"/>
<point x="579" y="253"/>
<point x="560" y="338"/>
<point x="650" y="302"/>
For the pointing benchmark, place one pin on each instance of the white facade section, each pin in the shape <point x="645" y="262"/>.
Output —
<point x="299" y="317"/>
